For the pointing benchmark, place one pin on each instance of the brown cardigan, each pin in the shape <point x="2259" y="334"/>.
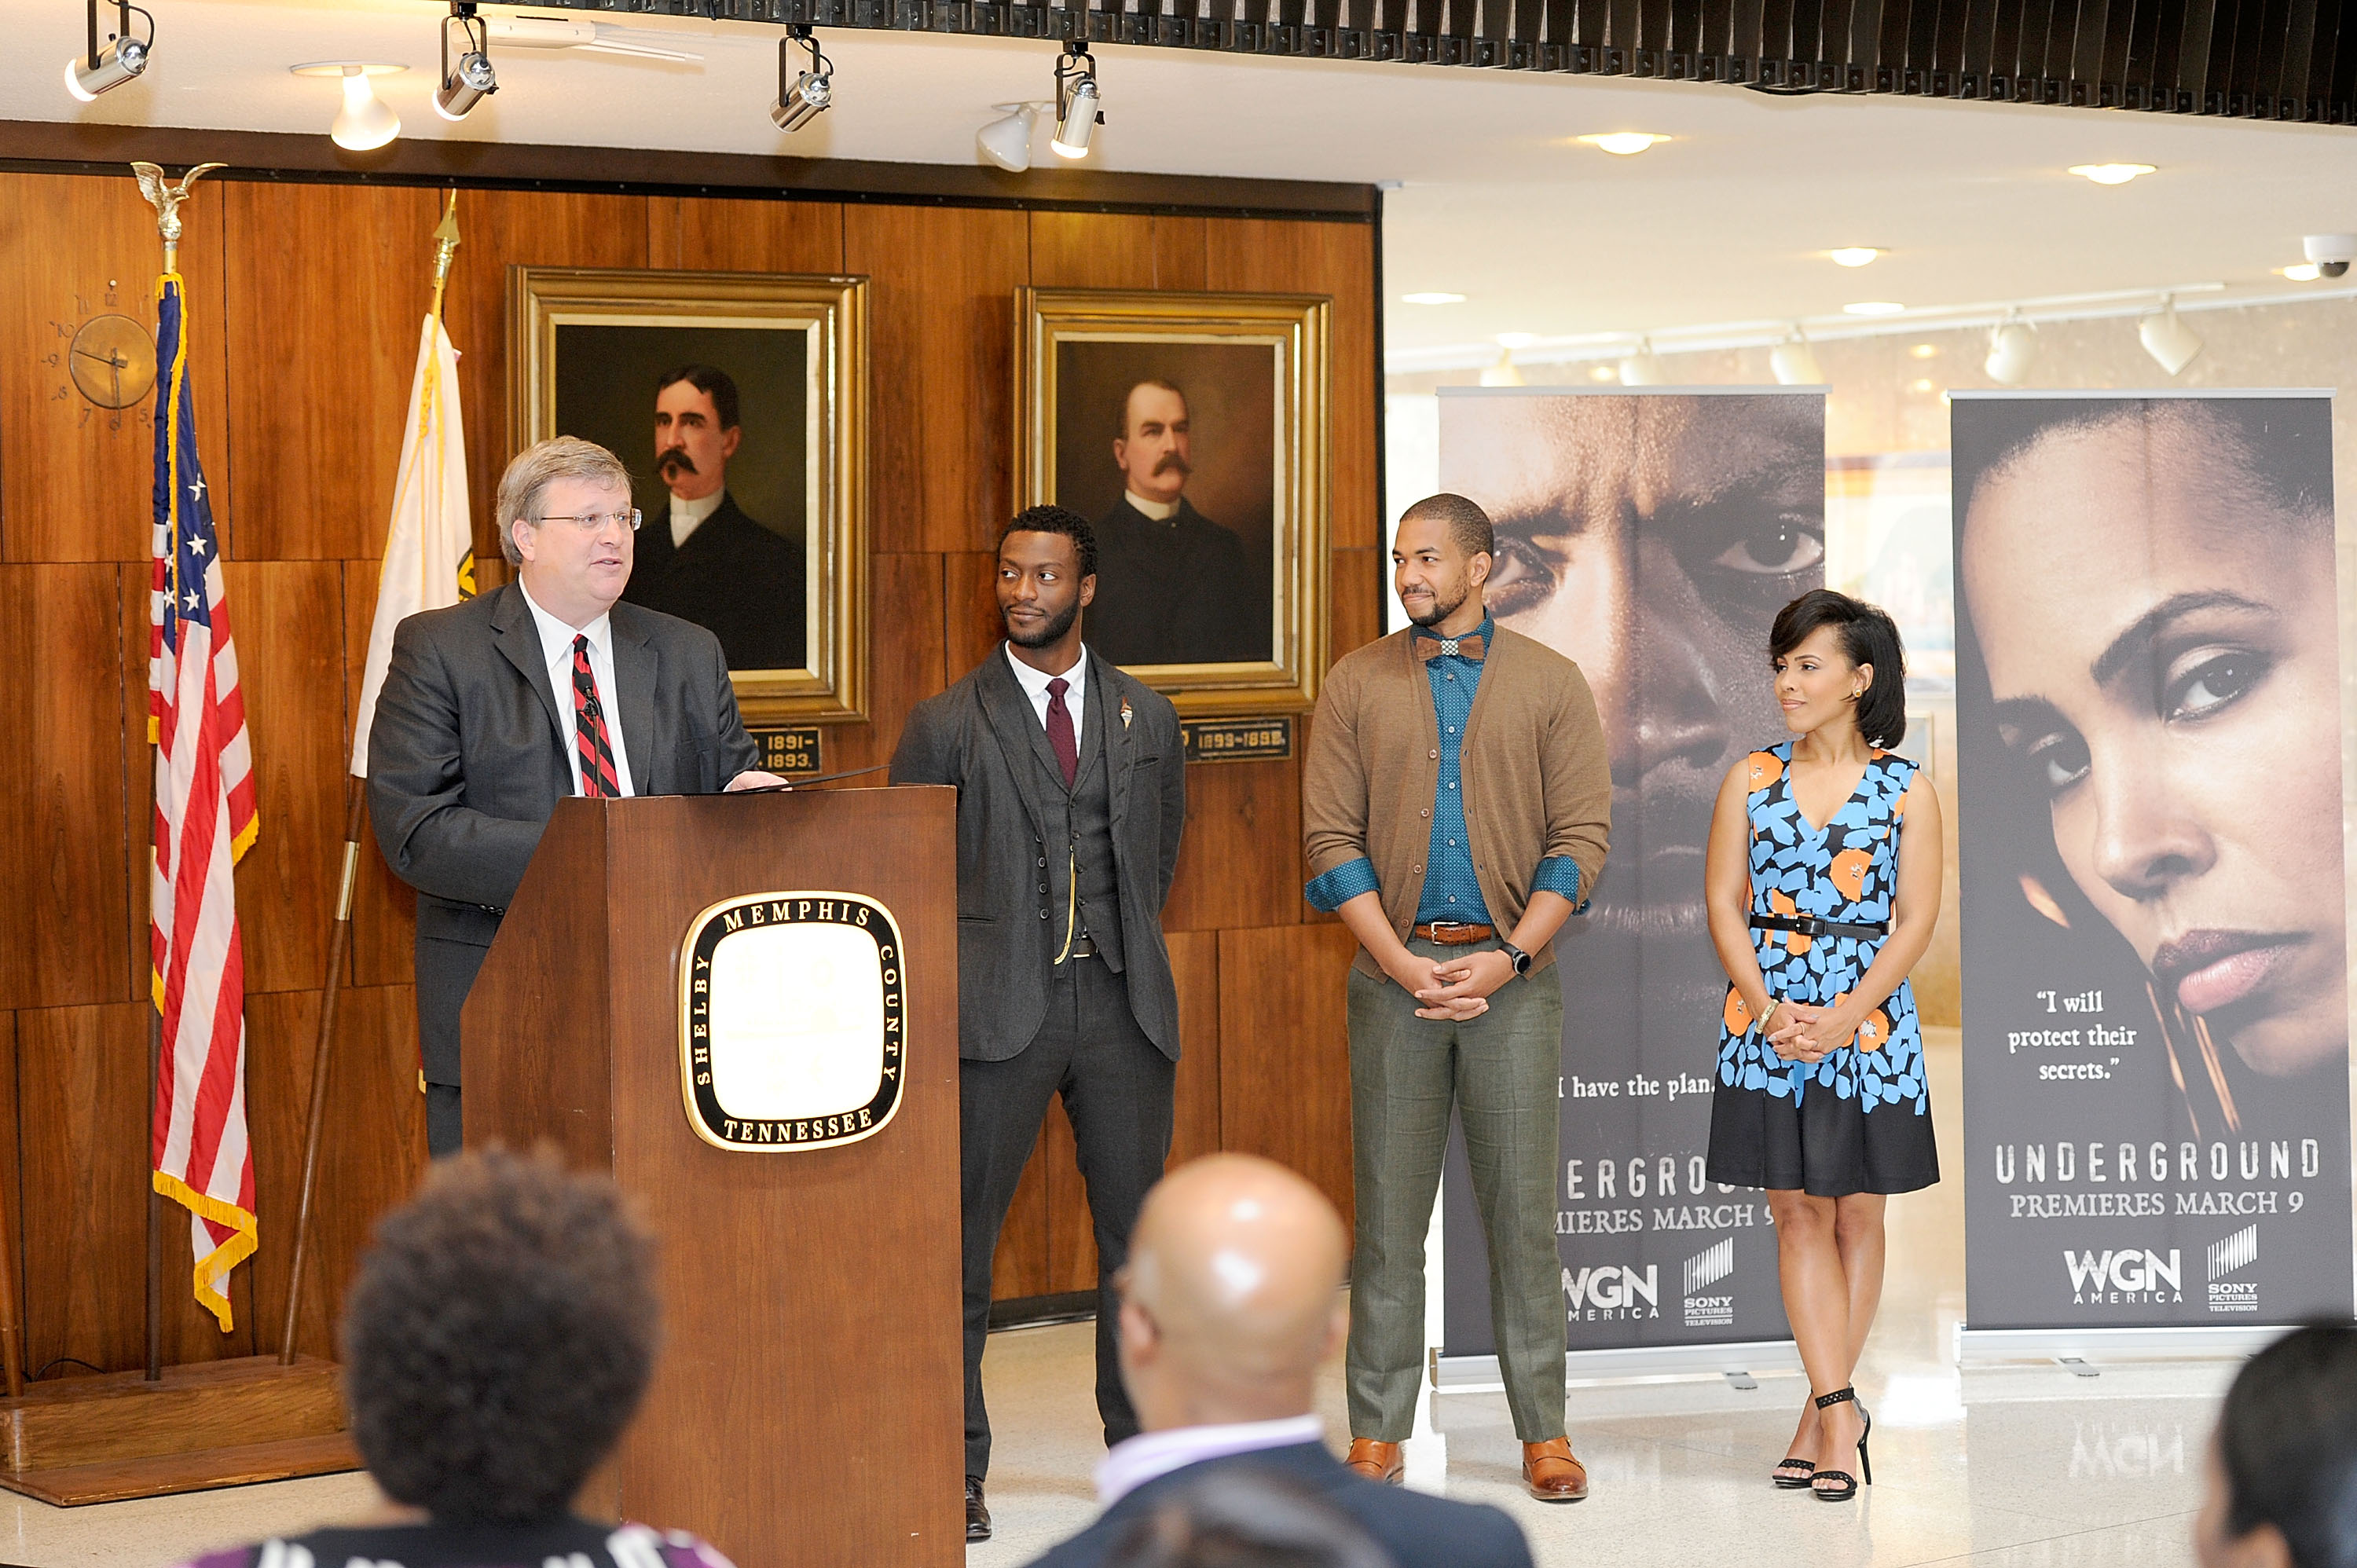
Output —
<point x="1537" y="779"/>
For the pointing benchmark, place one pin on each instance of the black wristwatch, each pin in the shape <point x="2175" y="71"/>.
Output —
<point x="1517" y="957"/>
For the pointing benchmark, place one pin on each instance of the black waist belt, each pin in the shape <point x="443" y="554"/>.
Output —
<point x="1810" y="926"/>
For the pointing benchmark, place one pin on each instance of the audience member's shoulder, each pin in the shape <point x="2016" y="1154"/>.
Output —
<point x="1460" y="1534"/>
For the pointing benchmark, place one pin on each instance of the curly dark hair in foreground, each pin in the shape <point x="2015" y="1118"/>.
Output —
<point x="1236" y="1518"/>
<point x="1058" y="520"/>
<point x="2287" y="1444"/>
<point x="497" y="1338"/>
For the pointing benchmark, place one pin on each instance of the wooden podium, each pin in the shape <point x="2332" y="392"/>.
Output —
<point x="808" y="1404"/>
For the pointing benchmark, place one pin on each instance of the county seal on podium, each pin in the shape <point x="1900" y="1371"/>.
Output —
<point x="792" y="1019"/>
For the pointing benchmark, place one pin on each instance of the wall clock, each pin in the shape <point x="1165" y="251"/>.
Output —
<point x="111" y="361"/>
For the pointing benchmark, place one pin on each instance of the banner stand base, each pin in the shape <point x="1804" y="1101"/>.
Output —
<point x="1479" y="1374"/>
<point x="1986" y="1346"/>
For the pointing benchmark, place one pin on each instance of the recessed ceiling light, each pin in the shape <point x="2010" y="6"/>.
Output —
<point x="2302" y="272"/>
<point x="1603" y="373"/>
<point x="1873" y="307"/>
<point x="2111" y="173"/>
<point x="1433" y="296"/>
<point x="1515" y="339"/>
<point x="1924" y="386"/>
<point x="1624" y="144"/>
<point x="1855" y="255"/>
<point x="1925" y="351"/>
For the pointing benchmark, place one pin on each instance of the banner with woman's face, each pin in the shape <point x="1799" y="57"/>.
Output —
<point x="2156" y="997"/>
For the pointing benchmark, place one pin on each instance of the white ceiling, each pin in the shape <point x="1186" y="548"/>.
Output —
<point x="1726" y="224"/>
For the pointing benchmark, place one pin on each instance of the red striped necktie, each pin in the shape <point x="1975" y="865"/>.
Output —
<point x="597" y="776"/>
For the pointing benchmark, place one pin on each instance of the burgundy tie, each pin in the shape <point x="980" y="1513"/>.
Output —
<point x="590" y="728"/>
<point x="1059" y="731"/>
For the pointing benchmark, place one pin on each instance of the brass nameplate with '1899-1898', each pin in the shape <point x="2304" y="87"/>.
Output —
<point x="792" y="1011"/>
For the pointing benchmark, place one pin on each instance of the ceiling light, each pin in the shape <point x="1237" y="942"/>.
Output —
<point x="1795" y="362"/>
<point x="2330" y="252"/>
<point x="1925" y="351"/>
<point x="1603" y="373"/>
<point x="109" y="64"/>
<point x="1923" y="385"/>
<point x="1504" y="373"/>
<point x="468" y="80"/>
<point x="1432" y="296"/>
<point x="589" y="38"/>
<point x="2170" y="342"/>
<point x="1873" y="307"/>
<point x="2013" y="348"/>
<point x="2302" y="272"/>
<point x="1855" y="255"/>
<point x="1079" y="111"/>
<point x="1008" y="142"/>
<point x="365" y="123"/>
<point x="1623" y="143"/>
<point x="808" y="95"/>
<point x="1644" y="368"/>
<point x="2111" y="173"/>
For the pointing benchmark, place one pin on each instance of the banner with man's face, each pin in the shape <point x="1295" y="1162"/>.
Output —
<point x="1650" y="538"/>
<point x="2156" y="997"/>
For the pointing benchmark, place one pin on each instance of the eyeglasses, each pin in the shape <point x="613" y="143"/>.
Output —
<point x="591" y="521"/>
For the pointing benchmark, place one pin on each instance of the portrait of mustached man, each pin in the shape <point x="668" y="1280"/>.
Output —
<point x="1173" y="586"/>
<point x="701" y="559"/>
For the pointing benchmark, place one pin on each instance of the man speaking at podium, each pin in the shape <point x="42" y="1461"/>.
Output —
<point x="1070" y="798"/>
<point x="495" y="708"/>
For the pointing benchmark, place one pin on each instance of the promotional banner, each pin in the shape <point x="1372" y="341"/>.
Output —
<point x="1651" y="537"/>
<point x="2155" y="979"/>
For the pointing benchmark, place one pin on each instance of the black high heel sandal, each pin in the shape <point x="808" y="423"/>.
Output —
<point x="1848" y="1489"/>
<point x="1783" y="1478"/>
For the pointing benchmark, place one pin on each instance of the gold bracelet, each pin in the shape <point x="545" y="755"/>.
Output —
<point x="1773" y="1002"/>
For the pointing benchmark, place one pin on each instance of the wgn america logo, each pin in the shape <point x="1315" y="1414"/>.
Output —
<point x="1612" y="1293"/>
<point x="2232" y="1255"/>
<point x="1704" y="1271"/>
<point x="2130" y="1276"/>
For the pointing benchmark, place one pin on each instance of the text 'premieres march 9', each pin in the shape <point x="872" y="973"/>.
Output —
<point x="2155" y="952"/>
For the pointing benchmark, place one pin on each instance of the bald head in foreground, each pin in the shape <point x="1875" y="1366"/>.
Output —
<point x="1230" y="1303"/>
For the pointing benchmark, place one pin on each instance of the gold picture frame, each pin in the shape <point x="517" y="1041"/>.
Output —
<point x="815" y="369"/>
<point x="1252" y="375"/>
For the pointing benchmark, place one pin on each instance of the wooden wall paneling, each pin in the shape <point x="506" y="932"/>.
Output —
<point x="972" y="627"/>
<point x="714" y="234"/>
<point x="1020" y="1266"/>
<point x="1357" y="582"/>
<point x="327" y="285"/>
<point x="286" y="616"/>
<point x="1239" y="859"/>
<point x="137" y="771"/>
<point x="77" y="483"/>
<point x="500" y="229"/>
<point x="1072" y="1234"/>
<point x="1112" y="249"/>
<point x="941" y="463"/>
<point x="1337" y="259"/>
<point x="12" y="1207"/>
<point x="385" y="908"/>
<point x="1181" y="254"/>
<point x="906" y="627"/>
<point x="1195" y="965"/>
<point x="1284" y="1050"/>
<point x="63" y="929"/>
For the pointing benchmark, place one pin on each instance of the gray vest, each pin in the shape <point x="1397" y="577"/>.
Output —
<point x="1082" y="893"/>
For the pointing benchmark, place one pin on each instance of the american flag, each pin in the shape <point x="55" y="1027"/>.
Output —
<point x="204" y="821"/>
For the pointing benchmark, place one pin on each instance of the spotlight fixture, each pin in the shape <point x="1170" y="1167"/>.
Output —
<point x="1623" y="143"/>
<point x="1795" y="362"/>
<point x="469" y="80"/>
<point x="1079" y="109"/>
<point x="2170" y="342"/>
<point x="2332" y="253"/>
<point x="808" y="94"/>
<point x="109" y="65"/>
<point x="1644" y="368"/>
<point x="2013" y="347"/>
<point x="1874" y="307"/>
<point x="1008" y="143"/>
<point x="1432" y="296"/>
<point x="1856" y="255"/>
<point x="365" y="123"/>
<point x="2111" y="173"/>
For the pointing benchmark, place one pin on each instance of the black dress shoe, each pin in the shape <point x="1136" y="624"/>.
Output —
<point x="977" y="1512"/>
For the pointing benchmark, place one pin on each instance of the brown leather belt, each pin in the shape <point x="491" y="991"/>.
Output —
<point x="1453" y="933"/>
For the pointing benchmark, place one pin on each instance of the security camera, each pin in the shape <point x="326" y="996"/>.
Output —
<point x="2330" y="252"/>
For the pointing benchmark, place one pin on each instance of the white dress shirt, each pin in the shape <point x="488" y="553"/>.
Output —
<point x="686" y="514"/>
<point x="556" y="647"/>
<point x="1035" y="686"/>
<point x="1160" y="511"/>
<point x="1152" y="1455"/>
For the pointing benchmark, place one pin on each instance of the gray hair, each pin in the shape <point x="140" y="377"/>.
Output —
<point x="542" y="463"/>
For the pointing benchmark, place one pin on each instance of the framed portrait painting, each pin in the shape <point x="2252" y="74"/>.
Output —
<point x="1192" y="430"/>
<point x="738" y="401"/>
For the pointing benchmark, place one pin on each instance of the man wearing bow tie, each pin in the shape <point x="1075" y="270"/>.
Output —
<point x="1455" y="808"/>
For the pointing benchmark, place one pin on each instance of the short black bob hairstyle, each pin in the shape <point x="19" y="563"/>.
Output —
<point x="2287" y="1446"/>
<point x="1869" y="636"/>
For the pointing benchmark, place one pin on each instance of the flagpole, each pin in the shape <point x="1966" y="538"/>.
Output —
<point x="339" y="936"/>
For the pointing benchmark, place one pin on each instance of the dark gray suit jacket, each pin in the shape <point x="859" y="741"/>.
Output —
<point x="983" y="736"/>
<point x="466" y="761"/>
<point x="1417" y="1531"/>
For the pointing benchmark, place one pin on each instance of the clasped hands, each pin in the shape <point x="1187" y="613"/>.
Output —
<point x="1451" y="988"/>
<point x="1802" y="1033"/>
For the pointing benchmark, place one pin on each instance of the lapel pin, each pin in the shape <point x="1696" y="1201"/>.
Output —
<point x="1124" y="715"/>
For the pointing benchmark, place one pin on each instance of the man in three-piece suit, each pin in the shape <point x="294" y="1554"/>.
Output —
<point x="702" y="559"/>
<point x="494" y="709"/>
<point x="1071" y="798"/>
<point x="1229" y="1305"/>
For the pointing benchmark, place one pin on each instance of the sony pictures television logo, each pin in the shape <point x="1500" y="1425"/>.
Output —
<point x="2232" y="1256"/>
<point x="792" y="1018"/>
<point x="1703" y="1269"/>
<point x="2128" y="1276"/>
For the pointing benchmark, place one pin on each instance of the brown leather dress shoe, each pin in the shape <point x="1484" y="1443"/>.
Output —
<point x="1376" y="1461"/>
<point x="977" y="1513"/>
<point x="1551" y="1472"/>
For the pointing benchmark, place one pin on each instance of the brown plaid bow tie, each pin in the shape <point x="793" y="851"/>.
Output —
<point x="1428" y="649"/>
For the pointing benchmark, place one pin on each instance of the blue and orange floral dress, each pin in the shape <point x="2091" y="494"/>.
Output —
<point x="1860" y="1119"/>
